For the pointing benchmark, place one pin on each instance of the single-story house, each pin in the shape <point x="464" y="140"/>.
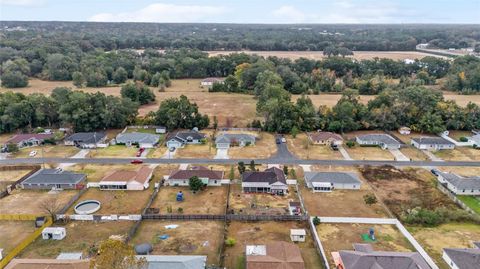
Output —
<point x="475" y="140"/>
<point x="225" y="141"/>
<point x="174" y="261"/>
<point x="28" y="140"/>
<point x="55" y="233"/>
<point x="207" y="176"/>
<point x="328" y="181"/>
<point x="325" y="138"/>
<point x="363" y="256"/>
<point x="462" y="258"/>
<point x="208" y="82"/>
<point x="275" y="255"/>
<point x="181" y="138"/>
<point x="298" y="235"/>
<point x="86" y="140"/>
<point x="143" y="140"/>
<point x="460" y="185"/>
<point x="404" y="130"/>
<point x="48" y="264"/>
<point x="127" y="180"/>
<point x="384" y="141"/>
<point x="272" y="180"/>
<point x="47" y="179"/>
<point x="432" y="143"/>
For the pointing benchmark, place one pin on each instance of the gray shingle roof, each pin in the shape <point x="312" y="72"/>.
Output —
<point x="467" y="258"/>
<point x="87" y="138"/>
<point x="136" y="137"/>
<point x="334" y="177"/>
<point x="54" y="176"/>
<point x="429" y="140"/>
<point x="175" y="261"/>
<point x="182" y="136"/>
<point x="383" y="138"/>
<point x="476" y="139"/>
<point x="270" y="175"/>
<point x="461" y="182"/>
<point x="228" y="138"/>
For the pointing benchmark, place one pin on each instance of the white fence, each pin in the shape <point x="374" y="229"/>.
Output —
<point x="291" y="182"/>
<point x="101" y="218"/>
<point x="93" y="185"/>
<point x="225" y="181"/>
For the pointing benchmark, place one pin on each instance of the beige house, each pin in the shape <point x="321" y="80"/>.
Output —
<point x="325" y="138"/>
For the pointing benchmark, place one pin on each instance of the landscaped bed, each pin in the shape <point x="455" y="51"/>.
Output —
<point x="33" y="201"/>
<point x="14" y="232"/>
<point x="189" y="238"/>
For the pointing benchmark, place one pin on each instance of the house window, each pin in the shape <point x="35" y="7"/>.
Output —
<point x="216" y="183"/>
<point x="463" y="190"/>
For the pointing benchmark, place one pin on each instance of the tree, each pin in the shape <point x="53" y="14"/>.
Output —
<point x="12" y="147"/>
<point x="78" y="79"/>
<point x="370" y="199"/>
<point x="177" y="113"/>
<point x="215" y="122"/>
<point x="137" y="92"/>
<point x="115" y="254"/>
<point x="252" y="165"/>
<point x="316" y="221"/>
<point x="294" y="131"/>
<point x="14" y="79"/>
<point x="230" y="242"/>
<point x="60" y="67"/>
<point x="195" y="183"/>
<point x="120" y="75"/>
<point x="241" y="167"/>
<point x="285" y="170"/>
<point x="51" y="206"/>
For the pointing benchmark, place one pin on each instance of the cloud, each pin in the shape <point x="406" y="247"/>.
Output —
<point x="23" y="3"/>
<point x="164" y="13"/>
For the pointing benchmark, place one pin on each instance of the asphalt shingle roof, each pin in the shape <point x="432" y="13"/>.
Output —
<point x="383" y="138"/>
<point x="87" y="138"/>
<point x="136" y="137"/>
<point x="334" y="177"/>
<point x="54" y="176"/>
<point x="466" y="258"/>
<point x="174" y="261"/>
<point x="201" y="172"/>
<point x="182" y="136"/>
<point x="270" y="175"/>
<point x="461" y="182"/>
<point x="228" y="138"/>
<point x="429" y="140"/>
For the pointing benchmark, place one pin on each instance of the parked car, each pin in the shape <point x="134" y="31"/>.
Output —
<point x="334" y="147"/>
<point x="435" y="171"/>
<point x="32" y="153"/>
<point x="284" y="140"/>
<point x="136" y="161"/>
<point x="278" y="141"/>
<point x="172" y="149"/>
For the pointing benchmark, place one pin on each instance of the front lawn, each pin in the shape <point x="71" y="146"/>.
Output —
<point x="471" y="201"/>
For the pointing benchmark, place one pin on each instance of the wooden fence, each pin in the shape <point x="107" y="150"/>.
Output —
<point x="34" y="169"/>
<point x="18" y="217"/>
<point x="228" y="217"/>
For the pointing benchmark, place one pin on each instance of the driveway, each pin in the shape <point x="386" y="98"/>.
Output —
<point x="169" y="154"/>
<point x="80" y="155"/>
<point x="432" y="156"/>
<point x="306" y="168"/>
<point x="344" y="153"/>
<point x="399" y="156"/>
<point x="283" y="153"/>
<point x="221" y="154"/>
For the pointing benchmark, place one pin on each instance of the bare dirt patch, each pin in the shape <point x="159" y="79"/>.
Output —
<point x="189" y="238"/>
<point x="14" y="232"/>
<point x="29" y="201"/>
<point x="95" y="172"/>
<point x="259" y="233"/>
<point x="304" y="149"/>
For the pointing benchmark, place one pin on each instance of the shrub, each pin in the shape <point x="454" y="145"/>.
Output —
<point x="463" y="139"/>
<point x="180" y="210"/>
<point x="370" y="199"/>
<point x="230" y="242"/>
<point x="169" y="209"/>
<point x="316" y="221"/>
<point x="11" y="147"/>
<point x="350" y="144"/>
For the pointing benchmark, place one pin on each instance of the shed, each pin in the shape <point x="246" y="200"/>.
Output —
<point x="404" y="130"/>
<point x="70" y="256"/>
<point x="55" y="233"/>
<point x="298" y="235"/>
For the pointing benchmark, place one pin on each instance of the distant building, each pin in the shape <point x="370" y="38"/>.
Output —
<point x="404" y="130"/>
<point x="460" y="185"/>
<point x="271" y="180"/>
<point x="384" y="141"/>
<point x="328" y="181"/>
<point x="432" y="143"/>
<point x="208" y="82"/>
<point x="274" y="255"/>
<point x="462" y="258"/>
<point x="325" y="138"/>
<point x="86" y="140"/>
<point x="46" y="179"/>
<point x="207" y="176"/>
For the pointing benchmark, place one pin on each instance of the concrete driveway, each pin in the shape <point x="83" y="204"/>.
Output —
<point x="399" y="156"/>
<point x="344" y="153"/>
<point x="80" y="155"/>
<point x="221" y="154"/>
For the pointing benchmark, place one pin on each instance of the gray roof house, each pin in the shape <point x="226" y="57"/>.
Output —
<point x="86" y="139"/>
<point x="460" y="185"/>
<point x="224" y="141"/>
<point x="462" y="258"/>
<point x="174" y="261"/>
<point x="432" y="143"/>
<point x="143" y="140"/>
<point x="272" y="180"/>
<point x="475" y="140"/>
<point x="328" y="181"/>
<point x="207" y="176"/>
<point x="181" y="138"/>
<point x="54" y="178"/>
<point x="384" y="141"/>
<point x="364" y="257"/>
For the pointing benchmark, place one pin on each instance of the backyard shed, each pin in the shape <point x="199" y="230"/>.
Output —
<point x="55" y="233"/>
<point x="298" y="235"/>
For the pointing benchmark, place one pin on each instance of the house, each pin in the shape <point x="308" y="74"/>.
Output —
<point x="432" y="143"/>
<point x="127" y="180"/>
<point x="363" y="256"/>
<point x="174" y="261"/>
<point x="28" y="140"/>
<point x="325" y="138"/>
<point x="328" y="181"/>
<point x="143" y="140"/>
<point x="182" y="138"/>
<point x="86" y="140"/>
<point x="458" y="184"/>
<point x="224" y="141"/>
<point x="298" y="235"/>
<point x="207" y="176"/>
<point x="274" y="255"/>
<point x="272" y="180"/>
<point x="208" y="82"/>
<point x="55" y="233"/>
<point x="404" y="130"/>
<point x="384" y="141"/>
<point x="462" y="258"/>
<point x="475" y="140"/>
<point x="48" y="264"/>
<point x="47" y="179"/>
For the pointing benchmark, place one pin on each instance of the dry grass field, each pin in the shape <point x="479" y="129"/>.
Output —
<point x="369" y="153"/>
<point x="9" y="177"/>
<point x="451" y="235"/>
<point x="14" y="232"/>
<point x="301" y="147"/>
<point x="115" y="151"/>
<point x="264" y="147"/>
<point x="47" y="151"/>
<point x="82" y="236"/>
<point x="459" y="154"/>
<point x="463" y="171"/>
<point x="30" y="201"/>
<point x="341" y="236"/>
<point x="206" y="150"/>
<point x="212" y="200"/>
<point x="258" y="233"/>
<point x="189" y="238"/>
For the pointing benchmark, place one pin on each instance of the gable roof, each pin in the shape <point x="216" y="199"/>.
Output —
<point x="431" y="140"/>
<point x="334" y="177"/>
<point x="364" y="257"/>
<point x="228" y="138"/>
<point x="174" y="261"/>
<point x="270" y="175"/>
<point x="142" y="175"/>
<point x="321" y="136"/>
<point x="22" y="137"/>
<point x="48" y="264"/>
<point x="476" y="139"/>
<point x="54" y="176"/>
<point x="461" y="182"/>
<point x="137" y="137"/>
<point x="464" y="258"/>
<point x="382" y="138"/>
<point x="182" y="136"/>
<point x="275" y="255"/>
<point x="200" y="171"/>
<point x="87" y="137"/>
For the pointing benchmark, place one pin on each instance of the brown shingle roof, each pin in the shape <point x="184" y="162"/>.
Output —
<point x="141" y="176"/>
<point x="199" y="171"/>
<point x="320" y="136"/>
<point x="279" y="255"/>
<point x="48" y="264"/>
<point x="21" y="137"/>
<point x="270" y="175"/>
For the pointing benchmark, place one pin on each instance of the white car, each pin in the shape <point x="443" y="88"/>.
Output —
<point x="32" y="153"/>
<point x="284" y="140"/>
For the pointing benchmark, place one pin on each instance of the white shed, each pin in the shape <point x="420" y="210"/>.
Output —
<point x="298" y="235"/>
<point x="55" y="233"/>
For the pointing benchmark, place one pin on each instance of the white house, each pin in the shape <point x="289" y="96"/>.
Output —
<point x="384" y="141"/>
<point x="28" y="140"/>
<point x="208" y="82"/>
<point x="127" y="180"/>
<point x="298" y="235"/>
<point x="55" y="233"/>
<point x="143" y="140"/>
<point x="432" y="143"/>
<point x="328" y="181"/>
<point x="462" y="258"/>
<point x="460" y="185"/>
<point x="207" y="176"/>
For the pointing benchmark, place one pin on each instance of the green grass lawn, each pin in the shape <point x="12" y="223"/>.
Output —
<point x="471" y="201"/>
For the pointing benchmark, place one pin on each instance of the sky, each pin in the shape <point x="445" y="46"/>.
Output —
<point x="245" y="11"/>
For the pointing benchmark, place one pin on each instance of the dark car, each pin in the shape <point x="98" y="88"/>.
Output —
<point x="435" y="171"/>
<point x="278" y="141"/>
<point x="136" y="161"/>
